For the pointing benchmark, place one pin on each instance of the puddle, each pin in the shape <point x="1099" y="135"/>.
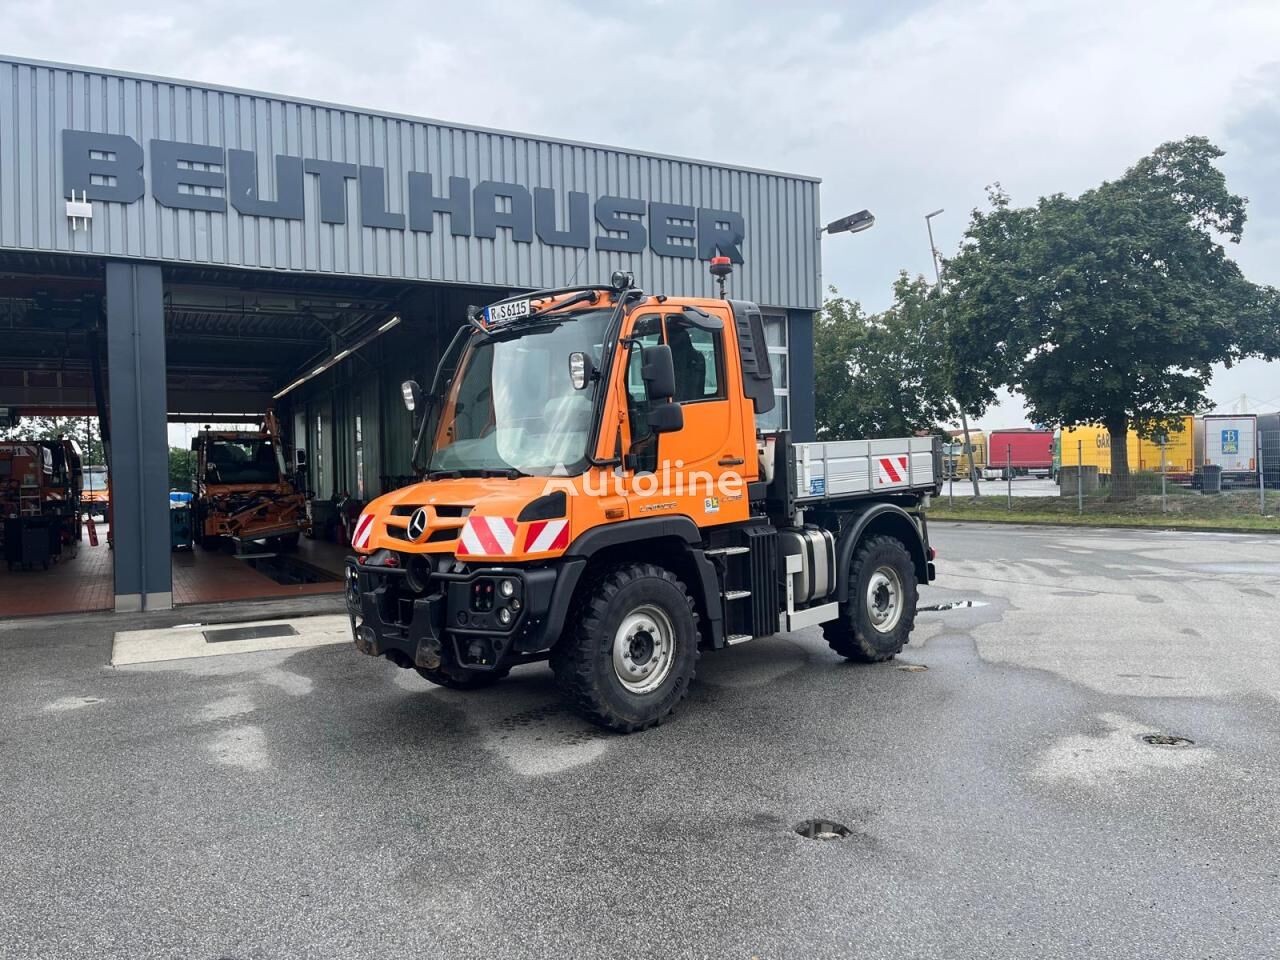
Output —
<point x="953" y="605"/>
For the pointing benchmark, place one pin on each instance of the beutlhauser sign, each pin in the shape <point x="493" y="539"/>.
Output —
<point x="112" y="168"/>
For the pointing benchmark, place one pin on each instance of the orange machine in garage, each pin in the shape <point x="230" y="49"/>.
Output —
<point x="243" y="490"/>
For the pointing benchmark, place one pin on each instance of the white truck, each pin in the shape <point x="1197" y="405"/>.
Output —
<point x="1228" y="441"/>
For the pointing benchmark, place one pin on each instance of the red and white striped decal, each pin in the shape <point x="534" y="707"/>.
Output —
<point x="891" y="470"/>
<point x="546" y="535"/>
<point x="364" y="530"/>
<point x="488" y="537"/>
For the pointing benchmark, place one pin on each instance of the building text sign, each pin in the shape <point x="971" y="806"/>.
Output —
<point x="110" y="168"/>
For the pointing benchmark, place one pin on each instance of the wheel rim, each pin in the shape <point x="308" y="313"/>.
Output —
<point x="644" y="650"/>
<point x="884" y="598"/>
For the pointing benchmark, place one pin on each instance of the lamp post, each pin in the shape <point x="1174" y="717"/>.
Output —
<point x="964" y="417"/>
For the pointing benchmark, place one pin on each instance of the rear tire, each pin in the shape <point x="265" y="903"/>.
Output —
<point x="881" y="611"/>
<point x="461" y="678"/>
<point x="631" y="649"/>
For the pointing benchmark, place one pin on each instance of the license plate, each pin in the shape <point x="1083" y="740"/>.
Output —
<point x="502" y="312"/>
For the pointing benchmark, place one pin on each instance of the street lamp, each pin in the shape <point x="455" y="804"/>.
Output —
<point x="853" y="223"/>
<point x="964" y="417"/>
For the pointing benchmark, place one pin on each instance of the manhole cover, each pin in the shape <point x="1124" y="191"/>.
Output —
<point x="1167" y="740"/>
<point x="912" y="667"/>
<point x="823" y="830"/>
<point x="249" y="633"/>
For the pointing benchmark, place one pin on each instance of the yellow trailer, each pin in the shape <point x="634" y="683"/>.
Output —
<point x="1144" y="455"/>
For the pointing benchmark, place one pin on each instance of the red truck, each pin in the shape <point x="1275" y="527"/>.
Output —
<point x="1027" y="450"/>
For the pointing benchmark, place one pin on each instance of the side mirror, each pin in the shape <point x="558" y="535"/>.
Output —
<point x="658" y="372"/>
<point x="412" y="394"/>
<point x="581" y="369"/>
<point x="666" y="418"/>
<point x="300" y="457"/>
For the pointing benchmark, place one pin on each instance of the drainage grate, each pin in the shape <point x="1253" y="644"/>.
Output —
<point x="287" y="569"/>
<point x="249" y="633"/>
<point x="823" y="830"/>
<point x="1167" y="740"/>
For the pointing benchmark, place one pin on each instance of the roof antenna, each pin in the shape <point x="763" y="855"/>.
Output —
<point x="721" y="267"/>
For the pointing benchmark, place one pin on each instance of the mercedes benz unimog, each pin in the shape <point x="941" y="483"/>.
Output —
<point x="595" y="492"/>
<point x="244" y="490"/>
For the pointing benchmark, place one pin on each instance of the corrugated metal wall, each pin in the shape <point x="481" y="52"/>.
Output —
<point x="38" y="101"/>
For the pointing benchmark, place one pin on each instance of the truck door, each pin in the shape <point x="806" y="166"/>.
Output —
<point x="689" y="462"/>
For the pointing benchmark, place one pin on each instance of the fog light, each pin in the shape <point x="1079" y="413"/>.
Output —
<point x="507" y="588"/>
<point x="515" y="603"/>
<point x="504" y="616"/>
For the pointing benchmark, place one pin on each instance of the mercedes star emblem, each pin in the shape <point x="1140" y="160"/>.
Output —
<point x="418" y="524"/>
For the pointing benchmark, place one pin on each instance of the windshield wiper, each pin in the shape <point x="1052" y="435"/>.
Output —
<point x="444" y="474"/>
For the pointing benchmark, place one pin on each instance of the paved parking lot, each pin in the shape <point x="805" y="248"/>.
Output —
<point x="1002" y="803"/>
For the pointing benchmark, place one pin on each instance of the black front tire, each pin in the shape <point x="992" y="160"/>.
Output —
<point x="856" y="635"/>
<point x="584" y="661"/>
<point x="461" y="678"/>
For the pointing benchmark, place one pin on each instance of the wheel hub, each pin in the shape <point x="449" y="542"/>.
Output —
<point x="643" y="650"/>
<point x="884" y="598"/>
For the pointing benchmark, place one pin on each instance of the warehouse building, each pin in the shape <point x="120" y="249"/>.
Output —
<point x="174" y="252"/>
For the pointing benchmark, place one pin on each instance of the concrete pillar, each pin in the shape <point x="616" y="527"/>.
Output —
<point x="139" y="436"/>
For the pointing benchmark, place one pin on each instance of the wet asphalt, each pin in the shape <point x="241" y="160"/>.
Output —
<point x="1000" y="803"/>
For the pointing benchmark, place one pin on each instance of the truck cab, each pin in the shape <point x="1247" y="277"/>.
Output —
<point x="594" y="491"/>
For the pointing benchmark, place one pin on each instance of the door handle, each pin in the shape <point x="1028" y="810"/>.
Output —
<point x="732" y="462"/>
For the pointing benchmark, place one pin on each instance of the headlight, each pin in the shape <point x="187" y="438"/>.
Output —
<point x="504" y="616"/>
<point x="507" y="588"/>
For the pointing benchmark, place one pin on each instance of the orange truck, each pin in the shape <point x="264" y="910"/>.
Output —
<point x="243" y="491"/>
<point x="595" y="492"/>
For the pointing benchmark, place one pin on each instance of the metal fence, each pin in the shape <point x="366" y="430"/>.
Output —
<point x="1203" y="493"/>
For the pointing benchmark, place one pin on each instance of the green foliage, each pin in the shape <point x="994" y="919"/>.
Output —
<point x="182" y="465"/>
<point x="1111" y="308"/>
<point x="83" y="430"/>
<point x="880" y="375"/>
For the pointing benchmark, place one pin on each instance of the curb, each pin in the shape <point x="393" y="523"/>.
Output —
<point x="1173" y="528"/>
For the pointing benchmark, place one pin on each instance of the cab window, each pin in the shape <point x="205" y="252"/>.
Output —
<point x="698" y="357"/>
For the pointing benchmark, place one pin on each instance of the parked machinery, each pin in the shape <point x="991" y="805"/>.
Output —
<point x="243" y="489"/>
<point x="597" y="493"/>
<point x="40" y="486"/>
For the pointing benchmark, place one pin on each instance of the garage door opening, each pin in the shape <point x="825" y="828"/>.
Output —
<point x="55" y="527"/>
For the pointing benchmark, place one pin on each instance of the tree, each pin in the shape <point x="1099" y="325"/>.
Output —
<point x="83" y="430"/>
<point x="1111" y="308"/>
<point x="182" y="465"/>
<point x="881" y="375"/>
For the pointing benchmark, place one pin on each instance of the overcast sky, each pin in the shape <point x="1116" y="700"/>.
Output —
<point x="900" y="107"/>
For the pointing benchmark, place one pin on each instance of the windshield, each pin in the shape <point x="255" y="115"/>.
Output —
<point x="512" y="405"/>
<point x="95" y="478"/>
<point x="241" y="461"/>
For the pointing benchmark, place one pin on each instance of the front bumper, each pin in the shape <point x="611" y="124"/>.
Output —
<point x="419" y="618"/>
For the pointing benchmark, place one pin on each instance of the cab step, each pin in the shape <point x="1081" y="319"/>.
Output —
<point x="727" y="551"/>
<point x="736" y="594"/>
<point x="733" y="639"/>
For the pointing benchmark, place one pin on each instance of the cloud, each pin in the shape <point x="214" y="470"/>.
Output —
<point x="901" y="108"/>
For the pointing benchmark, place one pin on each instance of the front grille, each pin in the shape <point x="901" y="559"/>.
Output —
<point x="447" y="510"/>
<point x="437" y="536"/>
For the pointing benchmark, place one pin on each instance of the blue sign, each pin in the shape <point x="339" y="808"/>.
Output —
<point x="1230" y="441"/>
<point x="817" y="485"/>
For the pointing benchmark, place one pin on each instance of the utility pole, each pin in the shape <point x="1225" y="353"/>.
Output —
<point x="964" y="417"/>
